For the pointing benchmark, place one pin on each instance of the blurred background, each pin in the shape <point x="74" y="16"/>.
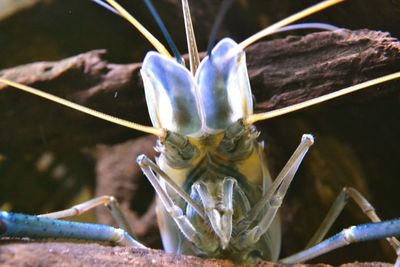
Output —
<point x="50" y="157"/>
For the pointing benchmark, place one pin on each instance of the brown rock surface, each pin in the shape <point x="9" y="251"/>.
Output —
<point x="71" y="255"/>
<point x="329" y="61"/>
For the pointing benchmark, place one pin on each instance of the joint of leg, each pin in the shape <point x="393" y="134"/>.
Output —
<point x="348" y="235"/>
<point x="308" y="138"/>
<point x="77" y="211"/>
<point x="111" y="202"/>
<point x="229" y="179"/>
<point x="142" y="160"/>
<point x="276" y="201"/>
<point x="119" y="235"/>
<point x="365" y="206"/>
<point x="175" y="212"/>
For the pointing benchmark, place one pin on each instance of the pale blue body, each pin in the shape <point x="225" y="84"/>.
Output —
<point x="202" y="109"/>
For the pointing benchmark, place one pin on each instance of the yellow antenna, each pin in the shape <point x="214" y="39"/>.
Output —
<point x="147" y="129"/>
<point x="153" y="40"/>
<point x="278" y="112"/>
<point x="302" y="14"/>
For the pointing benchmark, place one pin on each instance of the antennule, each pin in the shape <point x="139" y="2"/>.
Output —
<point x="147" y="129"/>
<point x="164" y="31"/>
<point x="225" y="5"/>
<point x="153" y="40"/>
<point x="106" y="6"/>
<point x="295" y="17"/>
<point x="278" y="112"/>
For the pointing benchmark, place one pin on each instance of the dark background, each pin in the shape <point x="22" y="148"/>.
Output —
<point x="356" y="142"/>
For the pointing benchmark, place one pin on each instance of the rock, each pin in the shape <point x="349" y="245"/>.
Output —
<point x="71" y="255"/>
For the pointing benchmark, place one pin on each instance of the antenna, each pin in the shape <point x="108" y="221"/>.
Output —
<point x="158" y="20"/>
<point x="142" y="128"/>
<point x="278" y="112"/>
<point x="302" y="14"/>
<point x="116" y="8"/>
<point x="164" y="31"/>
<point x="307" y="26"/>
<point x="226" y="4"/>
